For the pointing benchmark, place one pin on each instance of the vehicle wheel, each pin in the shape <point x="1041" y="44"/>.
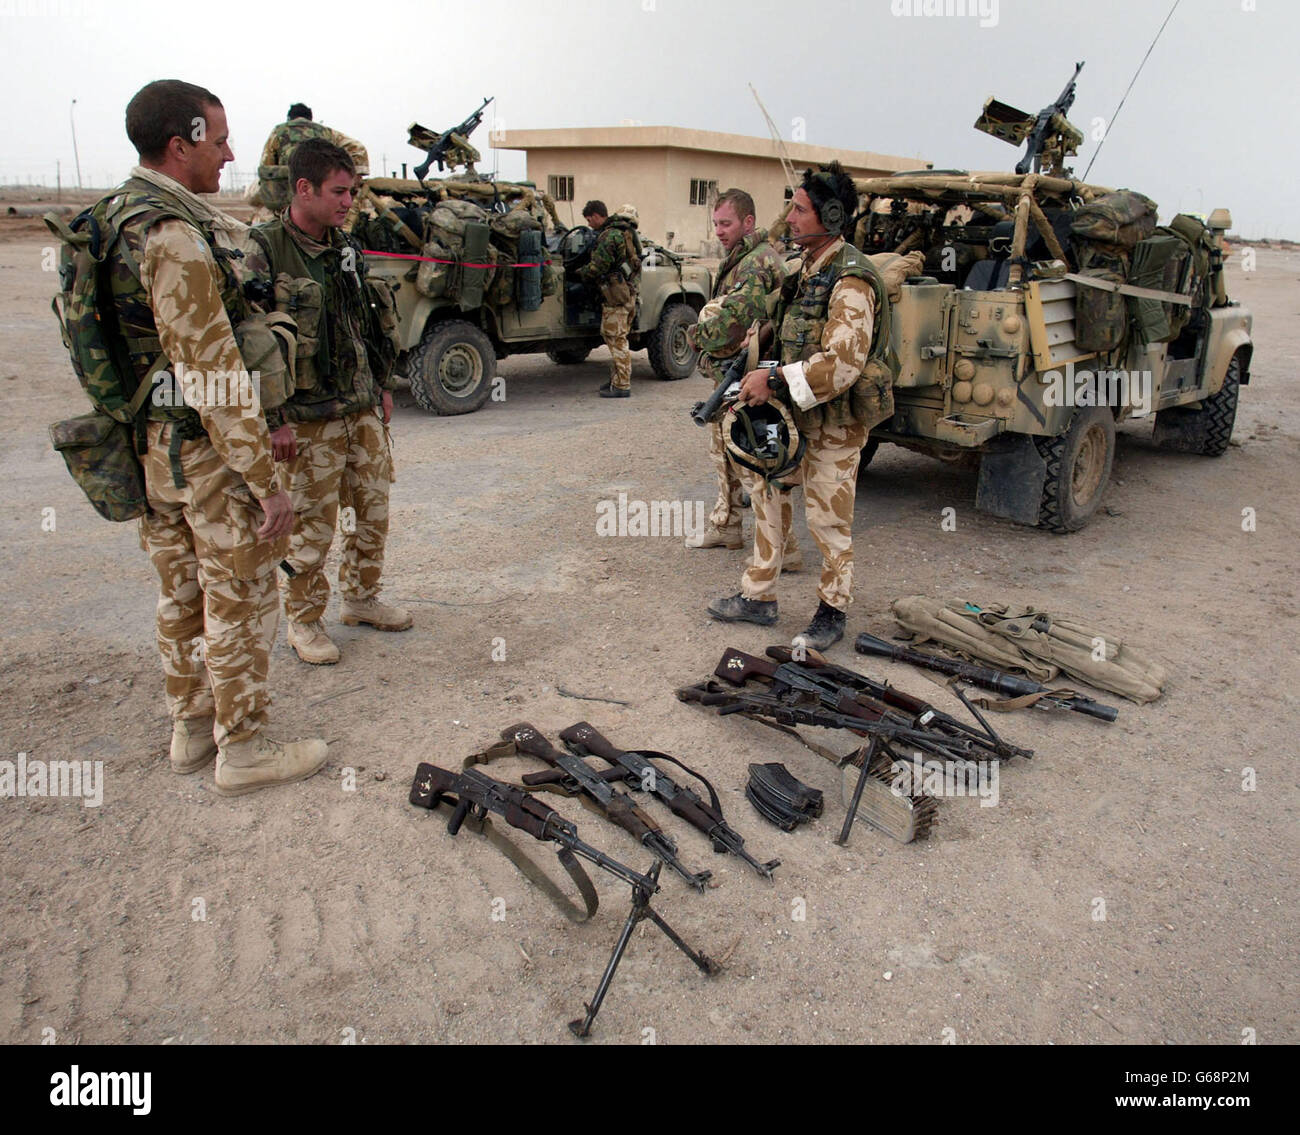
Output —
<point x="868" y="452"/>
<point x="569" y="356"/>
<point x="1208" y="430"/>
<point x="451" y="369"/>
<point x="1078" y="467"/>
<point x="671" y="354"/>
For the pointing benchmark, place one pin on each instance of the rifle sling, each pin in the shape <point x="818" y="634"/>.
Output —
<point x="528" y="867"/>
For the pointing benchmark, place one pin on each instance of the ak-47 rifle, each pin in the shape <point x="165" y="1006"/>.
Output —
<point x="848" y="709"/>
<point x="615" y="806"/>
<point x="921" y="713"/>
<point x="637" y="771"/>
<point x="472" y="794"/>
<point x="438" y="145"/>
<point x="991" y="679"/>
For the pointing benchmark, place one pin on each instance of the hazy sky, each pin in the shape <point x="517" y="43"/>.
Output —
<point x="1210" y="121"/>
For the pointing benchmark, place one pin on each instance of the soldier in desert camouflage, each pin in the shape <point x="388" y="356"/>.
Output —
<point x="218" y="515"/>
<point x="823" y="324"/>
<point x="615" y="266"/>
<point x="333" y="431"/>
<point x="750" y="272"/>
<point x="273" y="186"/>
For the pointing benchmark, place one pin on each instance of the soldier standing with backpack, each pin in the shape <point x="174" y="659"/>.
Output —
<point x="615" y="266"/>
<point x="217" y="513"/>
<point x="274" y="188"/>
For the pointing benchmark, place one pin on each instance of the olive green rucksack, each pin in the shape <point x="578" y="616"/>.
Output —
<point x="102" y="448"/>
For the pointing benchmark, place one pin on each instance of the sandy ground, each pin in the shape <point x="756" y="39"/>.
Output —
<point x="316" y="914"/>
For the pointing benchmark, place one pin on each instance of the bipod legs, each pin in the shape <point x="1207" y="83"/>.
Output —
<point x="641" y="908"/>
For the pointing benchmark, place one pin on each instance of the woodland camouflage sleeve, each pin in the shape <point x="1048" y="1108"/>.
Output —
<point x="723" y="322"/>
<point x="271" y="149"/>
<point x="180" y="276"/>
<point x="605" y="257"/>
<point x="846" y="345"/>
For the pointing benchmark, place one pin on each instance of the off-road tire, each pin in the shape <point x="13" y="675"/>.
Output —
<point x="569" y="356"/>
<point x="1206" y="431"/>
<point x="1078" y="469"/>
<point x="671" y="355"/>
<point x="451" y="369"/>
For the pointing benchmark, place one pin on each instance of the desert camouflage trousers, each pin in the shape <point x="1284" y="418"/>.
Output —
<point x="341" y="475"/>
<point x="615" y="323"/>
<point x="829" y="475"/>
<point x="729" y="509"/>
<point x="217" y="607"/>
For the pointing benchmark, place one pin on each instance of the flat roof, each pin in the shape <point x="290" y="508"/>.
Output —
<point x="707" y="141"/>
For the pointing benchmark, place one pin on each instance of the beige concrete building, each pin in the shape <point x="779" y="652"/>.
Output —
<point x="671" y="174"/>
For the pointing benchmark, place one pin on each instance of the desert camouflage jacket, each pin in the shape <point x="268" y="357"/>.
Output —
<point x="343" y="380"/>
<point x="747" y="278"/>
<point x="825" y="323"/>
<point x="187" y="296"/>
<point x="615" y="245"/>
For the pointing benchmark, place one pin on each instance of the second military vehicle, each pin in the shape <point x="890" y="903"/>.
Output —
<point x="1049" y="310"/>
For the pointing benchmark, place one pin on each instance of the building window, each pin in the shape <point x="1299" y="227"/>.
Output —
<point x="560" y="187"/>
<point x="703" y="192"/>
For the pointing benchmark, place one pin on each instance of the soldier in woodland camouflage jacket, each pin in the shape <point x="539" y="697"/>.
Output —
<point x="748" y="280"/>
<point x="615" y="266"/>
<point x="218" y="516"/>
<point x="273" y="187"/>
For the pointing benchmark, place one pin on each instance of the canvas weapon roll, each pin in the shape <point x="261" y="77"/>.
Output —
<point x="614" y="805"/>
<point x="999" y="681"/>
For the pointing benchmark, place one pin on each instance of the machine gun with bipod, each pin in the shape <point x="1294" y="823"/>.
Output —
<point x="472" y="795"/>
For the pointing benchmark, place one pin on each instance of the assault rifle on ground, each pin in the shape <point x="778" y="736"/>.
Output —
<point x="988" y="677"/>
<point x="843" y="708"/>
<point x="615" y="806"/>
<point x="471" y="794"/>
<point x="637" y="771"/>
<point x="921" y="713"/>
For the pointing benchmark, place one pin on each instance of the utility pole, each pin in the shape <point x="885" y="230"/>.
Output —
<point x="75" y="155"/>
<point x="58" y="181"/>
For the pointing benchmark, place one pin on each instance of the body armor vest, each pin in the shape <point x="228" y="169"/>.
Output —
<point x="801" y="319"/>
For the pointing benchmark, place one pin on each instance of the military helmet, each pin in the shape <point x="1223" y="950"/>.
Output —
<point x="764" y="438"/>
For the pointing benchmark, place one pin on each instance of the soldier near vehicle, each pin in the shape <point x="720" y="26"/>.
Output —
<point x="217" y="513"/>
<point x="274" y="187"/>
<point x="332" y="432"/>
<point x="824" y="324"/>
<point x="750" y="272"/>
<point x="614" y="267"/>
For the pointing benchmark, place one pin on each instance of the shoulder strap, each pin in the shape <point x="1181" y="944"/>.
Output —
<point x="522" y="860"/>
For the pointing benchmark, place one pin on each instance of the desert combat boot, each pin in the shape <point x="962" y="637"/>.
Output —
<point x="312" y="644"/>
<point x="711" y="536"/>
<point x="259" y="762"/>
<point x="193" y="746"/>
<point x="381" y="616"/>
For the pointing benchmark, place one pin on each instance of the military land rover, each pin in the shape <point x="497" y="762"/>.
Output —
<point x="483" y="269"/>
<point x="1048" y="311"/>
